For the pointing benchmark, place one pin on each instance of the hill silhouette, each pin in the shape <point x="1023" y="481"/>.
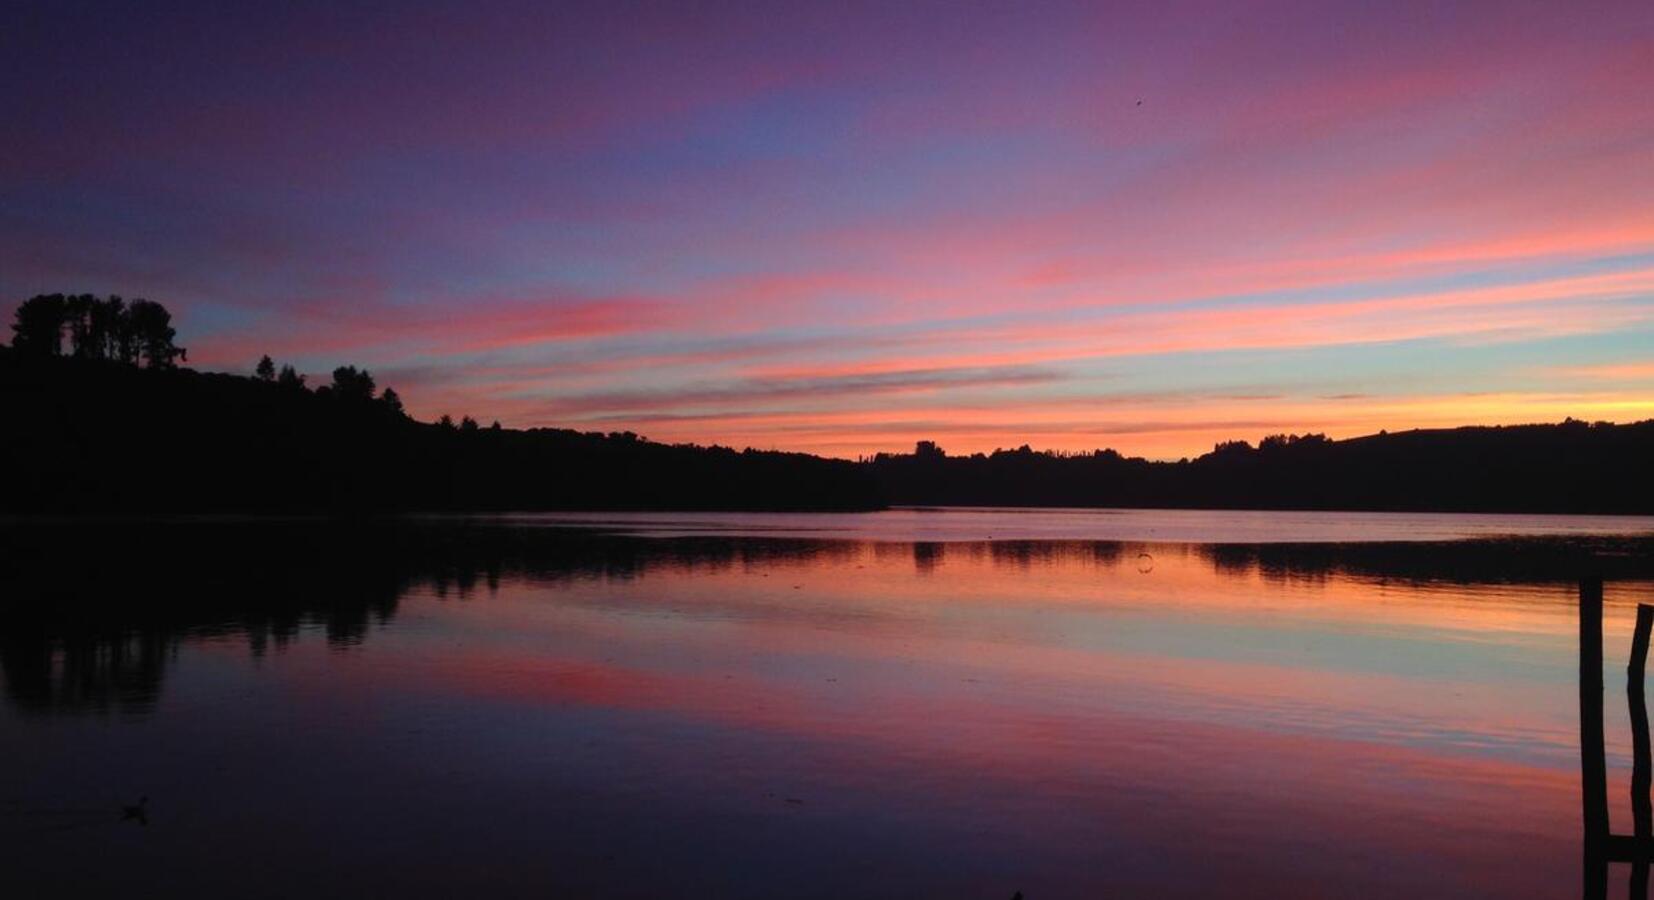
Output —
<point x="1571" y="467"/>
<point x="112" y="423"/>
<point x="101" y="436"/>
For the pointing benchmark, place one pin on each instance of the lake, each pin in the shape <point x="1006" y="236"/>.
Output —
<point x="916" y="703"/>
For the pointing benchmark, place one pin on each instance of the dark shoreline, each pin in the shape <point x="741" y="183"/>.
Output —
<point x="90" y="436"/>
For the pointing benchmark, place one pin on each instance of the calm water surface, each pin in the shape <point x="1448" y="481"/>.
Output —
<point x="888" y="705"/>
<point x="1158" y="525"/>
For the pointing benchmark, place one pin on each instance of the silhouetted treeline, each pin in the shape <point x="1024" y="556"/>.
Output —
<point x="100" y="418"/>
<point x="103" y="328"/>
<point x="1569" y="467"/>
<point x="89" y="433"/>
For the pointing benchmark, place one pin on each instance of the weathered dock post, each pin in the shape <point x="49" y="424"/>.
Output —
<point x="1592" y="763"/>
<point x="1642" y="807"/>
<point x="1593" y="766"/>
<point x="1602" y="846"/>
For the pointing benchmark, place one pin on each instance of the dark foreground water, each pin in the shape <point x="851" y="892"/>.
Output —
<point x="1162" y="705"/>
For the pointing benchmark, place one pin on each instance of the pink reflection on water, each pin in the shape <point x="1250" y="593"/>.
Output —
<point x="932" y="719"/>
<point x="1296" y="729"/>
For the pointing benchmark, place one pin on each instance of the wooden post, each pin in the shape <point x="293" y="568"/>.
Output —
<point x="1642" y="810"/>
<point x="1593" y="766"/>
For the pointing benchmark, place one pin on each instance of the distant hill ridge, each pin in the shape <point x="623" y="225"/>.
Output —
<point x="98" y="435"/>
<point x="1571" y="467"/>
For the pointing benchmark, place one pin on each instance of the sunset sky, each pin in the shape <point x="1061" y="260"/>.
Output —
<point x="842" y="227"/>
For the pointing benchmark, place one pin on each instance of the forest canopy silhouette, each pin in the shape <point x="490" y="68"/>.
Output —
<point x="102" y="328"/>
<point x="102" y="418"/>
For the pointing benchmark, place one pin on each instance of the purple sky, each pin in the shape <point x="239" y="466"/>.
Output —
<point x="842" y="227"/>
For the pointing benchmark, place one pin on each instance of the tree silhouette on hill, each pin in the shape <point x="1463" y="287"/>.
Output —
<point x="351" y="383"/>
<point x="87" y="378"/>
<point x="38" y="326"/>
<point x="105" y="328"/>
